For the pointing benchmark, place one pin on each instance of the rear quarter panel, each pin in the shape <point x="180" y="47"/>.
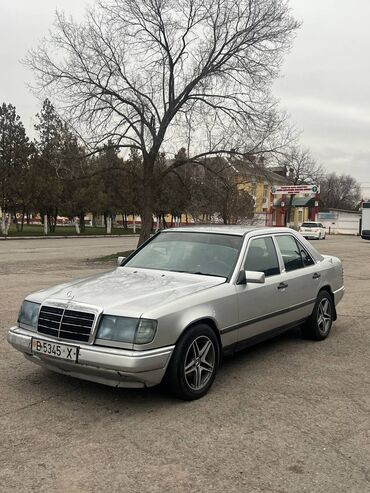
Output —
<point x="331" y="272"/>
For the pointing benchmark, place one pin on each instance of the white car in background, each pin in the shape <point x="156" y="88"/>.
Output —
<point x="313" y="230"/>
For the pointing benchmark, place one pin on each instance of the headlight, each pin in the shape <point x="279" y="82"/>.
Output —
<point x="125" y="329"/>
<point x="145" y="331"/>
<point x="29" y="313"/>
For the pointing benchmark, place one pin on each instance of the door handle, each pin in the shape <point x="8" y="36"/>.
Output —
<point x="282" y="285"/>
<point x="316" y="275"/>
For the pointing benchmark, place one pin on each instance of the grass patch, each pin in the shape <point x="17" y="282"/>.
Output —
<point x="113" y="256"/>
<point x="38" y="230"/>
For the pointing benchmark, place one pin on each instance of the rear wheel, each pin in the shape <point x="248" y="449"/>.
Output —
<point x="194" y="363"/>
<point x="319" y="324"/>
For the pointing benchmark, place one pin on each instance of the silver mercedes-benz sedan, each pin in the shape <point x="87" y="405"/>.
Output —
<point x="170" y="310"/>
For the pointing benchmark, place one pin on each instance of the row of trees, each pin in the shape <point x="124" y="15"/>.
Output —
<point x="54" y="175"/>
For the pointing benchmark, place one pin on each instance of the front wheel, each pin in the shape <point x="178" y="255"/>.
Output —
<point x="194" y="363"/>
<point x="318" y="326"/>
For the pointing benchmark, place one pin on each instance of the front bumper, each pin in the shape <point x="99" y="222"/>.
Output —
<point x="109" y="366"/>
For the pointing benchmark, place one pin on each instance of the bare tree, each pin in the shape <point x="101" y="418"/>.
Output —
<point x="153" y="74"/>
<point x="340" y="192"/>
<point x="301" y="168"/>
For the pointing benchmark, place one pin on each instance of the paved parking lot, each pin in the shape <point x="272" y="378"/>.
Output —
<point x="285" y="416"/>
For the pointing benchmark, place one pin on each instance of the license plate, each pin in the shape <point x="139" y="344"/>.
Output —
<point x="54" y="350"/>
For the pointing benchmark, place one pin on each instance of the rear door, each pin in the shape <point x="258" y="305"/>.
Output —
<point x="301" y="276"/>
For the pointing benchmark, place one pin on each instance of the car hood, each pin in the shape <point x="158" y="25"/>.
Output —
<point x="128" y="291"/>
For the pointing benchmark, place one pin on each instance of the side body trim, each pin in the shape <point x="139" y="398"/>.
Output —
<point x="251" y="341"/>
<point x="265" y="317"/>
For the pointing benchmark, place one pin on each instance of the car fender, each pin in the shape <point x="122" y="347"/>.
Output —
<point x="217" y="304"/>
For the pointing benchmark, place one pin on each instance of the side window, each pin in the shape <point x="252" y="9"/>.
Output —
<point x="290" y="252"/>
<point x="262" y="257"/>
<point x="306" y="257"/>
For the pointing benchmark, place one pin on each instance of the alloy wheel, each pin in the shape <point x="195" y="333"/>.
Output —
<point x="324" y="316"/>
<point x="200" y="362"/>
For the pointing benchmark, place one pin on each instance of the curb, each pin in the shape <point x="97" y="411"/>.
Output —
<point x="6" y="238"/>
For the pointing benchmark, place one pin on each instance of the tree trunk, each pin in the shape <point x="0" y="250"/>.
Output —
<point x="82" y="221"/>
<point x="16" y="219"/>
<point x="77" y="226"/>
<point x="23" y="216"/>
<point x="55" y="219"/>
<point x="165" y="226"/>
<point x="148" y="202"/>
<point x="289" y="210"/>
<point x="109" y="225"/>
<point x="52" y="220"/>
<point x="46" y="224"/>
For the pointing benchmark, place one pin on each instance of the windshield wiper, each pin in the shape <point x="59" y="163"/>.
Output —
<point x="206" y="274"/>
<point x="196" y="273"/>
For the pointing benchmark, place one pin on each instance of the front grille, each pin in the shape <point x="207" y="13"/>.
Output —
<point x="65" y="324"/>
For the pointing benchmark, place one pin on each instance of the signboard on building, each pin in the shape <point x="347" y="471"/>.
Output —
<point x="295" y="189"/>
<point x="327" y="216"/>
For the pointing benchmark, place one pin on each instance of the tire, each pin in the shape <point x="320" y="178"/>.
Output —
<point x="318" y="326"/>
<point x="190" y="375"/>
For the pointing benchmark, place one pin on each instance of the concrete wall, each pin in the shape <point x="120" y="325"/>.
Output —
<point x="341" y="222"/>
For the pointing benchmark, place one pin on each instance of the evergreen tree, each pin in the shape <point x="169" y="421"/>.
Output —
<point x="15" y="150"/>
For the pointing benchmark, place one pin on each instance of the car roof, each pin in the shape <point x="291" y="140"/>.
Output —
<point x="238" y="230"/>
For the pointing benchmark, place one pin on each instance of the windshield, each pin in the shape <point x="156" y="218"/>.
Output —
<point x="310" y="225"/>
<point x="195" y="253"/>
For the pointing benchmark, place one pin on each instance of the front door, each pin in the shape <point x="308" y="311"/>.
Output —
<point x="261" y="307"/>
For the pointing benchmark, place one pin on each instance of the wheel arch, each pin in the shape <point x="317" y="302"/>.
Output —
<point x="211" y="324"/>
<point x="327" y="288"/>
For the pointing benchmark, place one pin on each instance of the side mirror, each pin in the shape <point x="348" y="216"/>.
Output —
<point x="252" y="277"/>
<point x="120" y="260"/>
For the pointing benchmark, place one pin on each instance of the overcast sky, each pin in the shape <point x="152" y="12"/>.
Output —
<point x="324" y="84"/>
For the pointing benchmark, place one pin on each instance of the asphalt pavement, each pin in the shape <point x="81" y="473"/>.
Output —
<point x="287" y="415"/>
